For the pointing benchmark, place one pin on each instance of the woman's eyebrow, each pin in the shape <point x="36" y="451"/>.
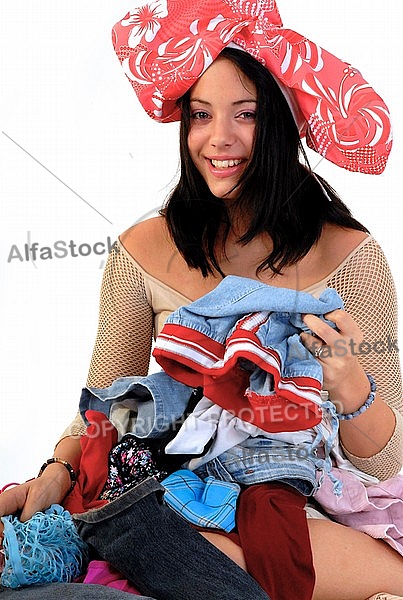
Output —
<point x="236" y="102"/>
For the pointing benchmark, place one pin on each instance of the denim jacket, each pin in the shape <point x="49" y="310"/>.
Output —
<point x="145" y="406"/>
<point x="241" y="344"/>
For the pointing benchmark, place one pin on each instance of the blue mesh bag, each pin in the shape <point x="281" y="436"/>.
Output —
<point x="44" y="549"/>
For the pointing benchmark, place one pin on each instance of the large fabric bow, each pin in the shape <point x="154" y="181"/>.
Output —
<point x="166" y="45"/>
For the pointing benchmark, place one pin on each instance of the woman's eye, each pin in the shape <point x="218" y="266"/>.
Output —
<point x="248" y="115"/>
<point x="199" y="115"/>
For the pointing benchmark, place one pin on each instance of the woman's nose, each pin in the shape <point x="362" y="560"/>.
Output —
<point x="221" y="133"/>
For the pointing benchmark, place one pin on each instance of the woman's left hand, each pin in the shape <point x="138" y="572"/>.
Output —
<point x="337" y="349"/>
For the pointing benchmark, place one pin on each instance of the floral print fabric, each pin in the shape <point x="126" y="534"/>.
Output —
<point x="130" y="462"/>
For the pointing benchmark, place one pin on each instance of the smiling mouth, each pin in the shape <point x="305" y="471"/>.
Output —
<point x="224" y="164"/>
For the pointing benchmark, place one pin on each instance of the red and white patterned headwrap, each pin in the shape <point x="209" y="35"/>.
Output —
<point x="166" y="45"/>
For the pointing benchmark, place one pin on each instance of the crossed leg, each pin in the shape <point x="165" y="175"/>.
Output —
<point x="349" y="565"/>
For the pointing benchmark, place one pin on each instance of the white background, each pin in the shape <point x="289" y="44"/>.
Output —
<point x="81" y="162"/>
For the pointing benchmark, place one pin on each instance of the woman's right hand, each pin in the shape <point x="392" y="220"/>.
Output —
<point x="51" y="487"/>
<point x="36" y="494"/>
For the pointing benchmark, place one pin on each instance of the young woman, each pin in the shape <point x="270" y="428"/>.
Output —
<point x="245" y="205"/>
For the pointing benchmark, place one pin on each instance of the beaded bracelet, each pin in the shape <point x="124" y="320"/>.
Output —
<point x="50" y="461"/>
<point x="366" y="404"/>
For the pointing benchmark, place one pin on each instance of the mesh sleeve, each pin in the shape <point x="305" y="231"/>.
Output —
<point x="366" y="285"/>
<point x="77" y="428"/>
<point x="386" y="463"/>
<point x="125" y="327"/>
<point x="123" y="343"/>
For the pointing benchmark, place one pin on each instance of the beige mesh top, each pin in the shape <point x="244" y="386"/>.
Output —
<point x="134" y="306"/>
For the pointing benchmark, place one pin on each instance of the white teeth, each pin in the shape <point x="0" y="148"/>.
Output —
<point x="224" y="164"/>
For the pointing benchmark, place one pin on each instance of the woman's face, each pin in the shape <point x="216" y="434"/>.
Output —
<point x="222" y="125"/>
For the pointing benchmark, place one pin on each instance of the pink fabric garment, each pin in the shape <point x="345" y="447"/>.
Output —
<point x="375" y="509"/>
<point x="166" y="45"/>
<point x="102" y="573"/>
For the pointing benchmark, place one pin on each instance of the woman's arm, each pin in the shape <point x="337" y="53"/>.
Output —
<point x="39" y="493"/>
<point x="122" y="348"/>
<point x="367" y="343"/>
<point x="348" y="386"/>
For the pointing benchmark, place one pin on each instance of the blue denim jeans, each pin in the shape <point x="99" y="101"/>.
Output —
<point x="259" y="460"/>
<point x="160" y="552"/>
<point x="67" y="591"/>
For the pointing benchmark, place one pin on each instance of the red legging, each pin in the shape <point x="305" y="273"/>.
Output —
<point x="273" y="533"/>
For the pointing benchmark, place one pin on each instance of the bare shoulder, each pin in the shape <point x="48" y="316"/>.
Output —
<point x="337" y="243"/>
<point x="150" y="244"/>
<point x="143" y="238"/>
<point x="333" y="247"/>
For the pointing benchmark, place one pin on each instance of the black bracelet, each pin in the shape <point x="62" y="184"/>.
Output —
<point x="50" y="461"/>
<point x="366" y="404"/>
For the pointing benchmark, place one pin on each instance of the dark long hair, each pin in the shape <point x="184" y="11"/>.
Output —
<point x="276" y="194"/>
